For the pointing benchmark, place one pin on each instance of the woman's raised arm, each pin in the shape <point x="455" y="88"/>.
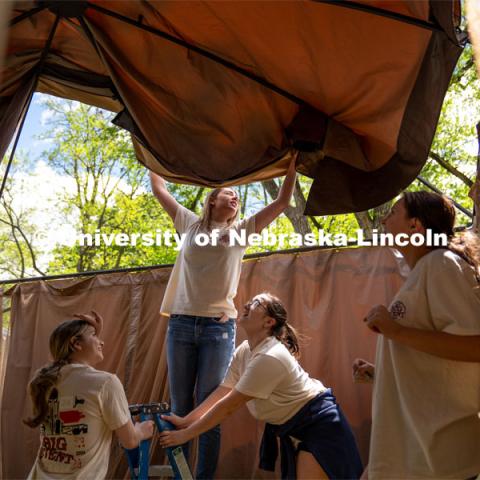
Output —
<point x="166" y="199"/>
<point x="267" y="215"/>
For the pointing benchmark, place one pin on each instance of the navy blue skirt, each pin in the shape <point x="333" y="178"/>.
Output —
<point x="323" y="431"/>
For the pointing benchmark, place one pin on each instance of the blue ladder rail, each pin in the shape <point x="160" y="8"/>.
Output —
<point x="139" y="458"/>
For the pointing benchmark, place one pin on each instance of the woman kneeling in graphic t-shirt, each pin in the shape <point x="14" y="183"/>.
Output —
<point x="78" y="407"/>
<point x="265" y="375"/>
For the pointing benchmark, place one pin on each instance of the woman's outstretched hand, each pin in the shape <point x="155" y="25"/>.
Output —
<point x="178" y="422"/>
<point x="172" y="438"/>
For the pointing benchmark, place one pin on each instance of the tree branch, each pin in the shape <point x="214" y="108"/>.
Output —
<point x="451" y="169"/>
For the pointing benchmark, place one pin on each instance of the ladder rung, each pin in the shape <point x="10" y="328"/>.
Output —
<point x="159" y="471"/>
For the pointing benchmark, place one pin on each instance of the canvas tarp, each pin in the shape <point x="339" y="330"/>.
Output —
<point x="327" y="294"/>
<point x="218" y="92"/>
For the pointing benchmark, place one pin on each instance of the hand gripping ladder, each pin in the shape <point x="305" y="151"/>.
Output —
<point x="139" y="458"/>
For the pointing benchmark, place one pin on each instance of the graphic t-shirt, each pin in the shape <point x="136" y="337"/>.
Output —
<point x="83" y="409"/>
<point x="204" y="279"/>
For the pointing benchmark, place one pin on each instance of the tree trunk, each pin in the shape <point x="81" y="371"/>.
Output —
<point x="294" y="214"/>
<point x="372" y="219"/>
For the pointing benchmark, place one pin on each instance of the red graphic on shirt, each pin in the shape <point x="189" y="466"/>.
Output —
<point x="55" y="449"/>
<point x="62" y="432"/>
<point x="71" y="416"/>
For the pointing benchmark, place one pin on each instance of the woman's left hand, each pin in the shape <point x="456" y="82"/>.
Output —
<point x="93" y="318"/>
<point x="380" y="320"/>
<point x="171" y="438"/>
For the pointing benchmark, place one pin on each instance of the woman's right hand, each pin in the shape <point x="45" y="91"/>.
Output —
<point x="178" y="422"/>
<point x="363" y="371"/>
<point x="145" y="429"/>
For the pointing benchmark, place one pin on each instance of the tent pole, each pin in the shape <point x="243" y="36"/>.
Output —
<point x="90" y="36"/>
<point x="92" y="40"/>
<point x="250" y="256"/>
<point x="432" y="187"/>
<point x="204" y="53"/>
<point x="25" y="15"/>
<point x="17" y="137"/>
<point x="399" y="17"/>
<point x="37" y="70"/>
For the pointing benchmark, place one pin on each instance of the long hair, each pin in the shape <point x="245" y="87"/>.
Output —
<point x="437" y="213"/>
<point x="45" y="379"/>
<point x="206" y="216"/>
<point x="282" y="330"/>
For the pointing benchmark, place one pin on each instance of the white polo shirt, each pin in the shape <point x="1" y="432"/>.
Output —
<point x="426" y="409"/>
<point x="273" y="376"/>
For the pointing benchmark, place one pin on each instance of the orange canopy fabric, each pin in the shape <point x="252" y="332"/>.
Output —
<point x="218" y="92"/>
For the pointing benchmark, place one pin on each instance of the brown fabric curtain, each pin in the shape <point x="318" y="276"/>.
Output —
<point x="327" y="293"/>
<point x="4" y="342"/>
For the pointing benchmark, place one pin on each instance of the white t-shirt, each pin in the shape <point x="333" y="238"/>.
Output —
<point x="84" y="408"/>
<point x="204" y="280"/>
<point x="273" y="376"/>
<point x="426" y="409"/>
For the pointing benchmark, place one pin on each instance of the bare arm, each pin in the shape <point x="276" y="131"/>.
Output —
<point x="267" y="215"/>
<point x="131" y="435"/>
<point x="463" y="348"/>
<point x="166" y="199"/>
<point x="207" y="404"/>
<point x="218" y="412"/>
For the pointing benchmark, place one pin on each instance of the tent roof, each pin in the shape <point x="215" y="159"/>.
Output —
<point x="217" y="93"/>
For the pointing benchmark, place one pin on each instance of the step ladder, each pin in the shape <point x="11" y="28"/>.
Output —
<point x="139" y="458"/>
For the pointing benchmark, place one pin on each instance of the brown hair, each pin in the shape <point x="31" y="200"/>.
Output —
<point x="206" y="217"/>
<point x="42" y="383"/>
<point x="282" y="330"/>
<point x="437" y="213"/>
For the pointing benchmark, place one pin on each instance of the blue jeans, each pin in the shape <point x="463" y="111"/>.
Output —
<point x="199" y="351"/>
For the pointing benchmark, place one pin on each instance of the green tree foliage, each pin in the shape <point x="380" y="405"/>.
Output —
<point x="18" y="233"/>
<point x="110" y="193"/>
<point x="452" y="163"/>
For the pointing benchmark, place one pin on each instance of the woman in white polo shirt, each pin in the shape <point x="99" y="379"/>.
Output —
<point x="426" y="399"/>
<point x="199" y="299"/>
<point x="265" y="375"/>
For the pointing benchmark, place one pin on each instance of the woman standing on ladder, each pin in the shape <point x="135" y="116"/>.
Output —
<point x="199" y="299"/>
